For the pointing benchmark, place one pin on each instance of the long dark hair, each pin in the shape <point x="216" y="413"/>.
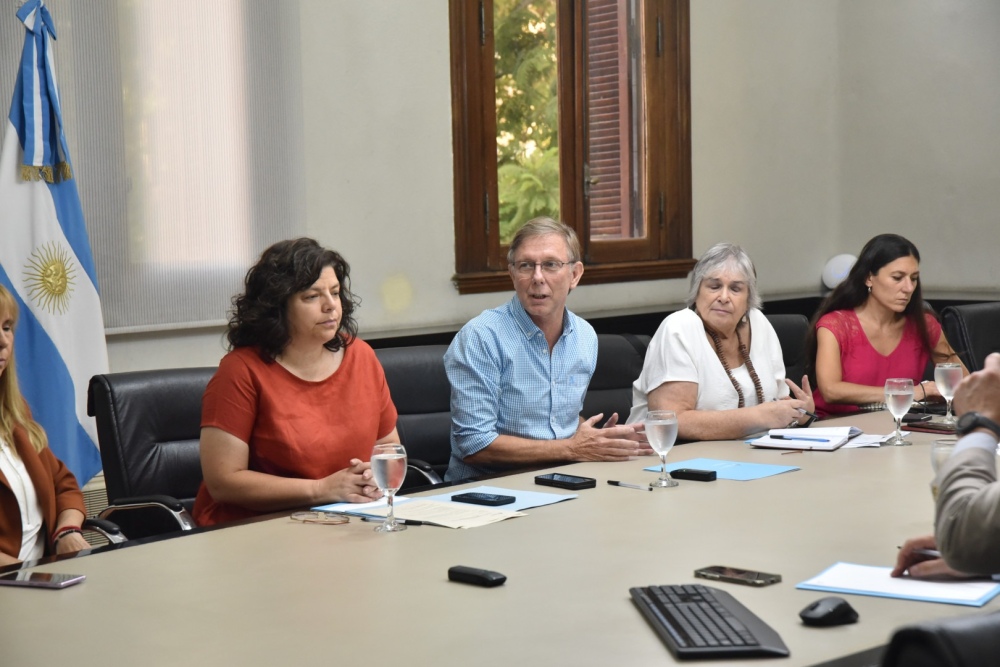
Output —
<point x="260" y="314"/>
<point x="852" y="291"/>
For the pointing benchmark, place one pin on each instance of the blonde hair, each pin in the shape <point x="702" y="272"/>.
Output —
<point x="13" y="408"/>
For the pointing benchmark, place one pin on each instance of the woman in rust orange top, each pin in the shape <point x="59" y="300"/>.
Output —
<point x="41" y="507"/>
<point x="291" y="416"/>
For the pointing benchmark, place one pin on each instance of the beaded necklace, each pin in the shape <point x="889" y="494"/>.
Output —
<point x="745" y="354"/>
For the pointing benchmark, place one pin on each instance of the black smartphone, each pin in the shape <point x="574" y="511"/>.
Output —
<point x="735" y="575"/>
<point x="563" y="481"/>
<point x="41" y="579"/>
<point x="694" y="474"/>
<point x="911" y="417"/>
<point x="491" y="499"/>
<point x="475" y="576"/>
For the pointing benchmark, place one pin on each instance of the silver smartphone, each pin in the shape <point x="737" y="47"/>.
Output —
<point x="736" y="575"/>
<point x="41" y="579"/>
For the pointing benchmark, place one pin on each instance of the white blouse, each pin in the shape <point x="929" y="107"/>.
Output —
<point x="12" y="467"/>
<point x="681" y="352"/>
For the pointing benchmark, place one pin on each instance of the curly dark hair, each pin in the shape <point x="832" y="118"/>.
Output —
<point x="852" y="291"/>
<point x="260" y="314"/>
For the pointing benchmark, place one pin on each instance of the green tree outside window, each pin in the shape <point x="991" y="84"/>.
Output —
<point x="527" y="109"/>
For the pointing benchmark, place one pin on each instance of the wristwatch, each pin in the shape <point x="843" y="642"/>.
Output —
<point x="970" y="421"/>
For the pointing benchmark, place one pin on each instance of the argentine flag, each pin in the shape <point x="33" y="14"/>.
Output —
<point x="45" y="257"/>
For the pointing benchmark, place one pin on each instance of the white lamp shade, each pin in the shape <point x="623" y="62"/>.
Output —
<point x="837" y="269"/>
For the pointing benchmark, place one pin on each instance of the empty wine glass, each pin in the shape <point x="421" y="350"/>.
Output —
<point x="947" y="377"/>
<point x="389" y="469"/>
<point x="898" y="399"/>
<point x="661" y="432"/>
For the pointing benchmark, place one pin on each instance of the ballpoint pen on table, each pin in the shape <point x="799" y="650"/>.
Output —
<point x="799" y="437"/>
<point x="930" y="553"/>
<point x="405" y="522"/>
<point x="629" y="485"/>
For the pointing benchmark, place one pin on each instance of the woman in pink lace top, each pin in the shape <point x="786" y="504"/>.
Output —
<point x="875" y="326"/>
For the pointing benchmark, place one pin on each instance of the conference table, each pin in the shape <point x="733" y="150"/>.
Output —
<point x="279" y="592"/>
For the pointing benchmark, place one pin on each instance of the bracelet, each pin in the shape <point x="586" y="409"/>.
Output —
<point x="63" y="532"/>
<point x="924" y="392"/>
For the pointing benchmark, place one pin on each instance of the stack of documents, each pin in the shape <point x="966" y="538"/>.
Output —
<point x="821" y="439"/>
<point x="449" y="515"/>
<point x="440" y="510"/>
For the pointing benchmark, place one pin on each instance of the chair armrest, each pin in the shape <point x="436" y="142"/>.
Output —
<point x="170" y="508"/>
<point x="425" y="469"/>
<point x="167" y="502"/>
<point x="110" y="530"/>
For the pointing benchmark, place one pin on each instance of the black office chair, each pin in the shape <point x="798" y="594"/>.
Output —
<point x="619" y="362"/>
<point x="148" y="426"/>
<point x="792" y="330"/>
<point x="422" y="395"/>
<point x="961" y="641"/>
<point x="973" y="331"/>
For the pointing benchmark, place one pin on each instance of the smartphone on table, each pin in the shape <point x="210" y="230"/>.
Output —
<point x="564" y="481"/>
<point x="40" y="579"/>
<point x="488" y="499"/>
<point x="736" y="575"/>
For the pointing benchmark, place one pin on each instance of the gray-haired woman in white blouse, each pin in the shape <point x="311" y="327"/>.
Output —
<point x="718" y="363"/>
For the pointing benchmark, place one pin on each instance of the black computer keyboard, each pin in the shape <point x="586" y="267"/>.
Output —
<point x="703" y="622"/>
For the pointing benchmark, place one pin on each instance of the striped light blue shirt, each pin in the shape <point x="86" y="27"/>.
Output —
<point x="505" y="382"/>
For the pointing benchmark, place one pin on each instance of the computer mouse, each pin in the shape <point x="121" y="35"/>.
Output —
<point x="828" y="611"/>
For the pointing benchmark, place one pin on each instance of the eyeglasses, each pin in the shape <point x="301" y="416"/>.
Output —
<point x="328" y="518"/>
<point x="548" y="266"/>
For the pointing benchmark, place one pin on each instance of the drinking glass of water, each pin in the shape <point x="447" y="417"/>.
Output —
<point x="389" y="469"/>
<point x="661" y="431"/>
<point x="941" y="450"/>
<point x="898" y="399"/>
<point x="947" y="377"/>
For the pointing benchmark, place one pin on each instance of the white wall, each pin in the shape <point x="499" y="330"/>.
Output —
<point x="810" y="120"/>
<point x="764" y="89"/>
<point x="920" y="110"/>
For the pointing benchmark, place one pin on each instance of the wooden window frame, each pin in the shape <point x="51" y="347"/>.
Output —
<point x="481" y="263"/>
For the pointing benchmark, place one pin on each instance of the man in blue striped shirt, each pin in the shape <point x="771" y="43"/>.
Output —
<point x="519" y="372"/>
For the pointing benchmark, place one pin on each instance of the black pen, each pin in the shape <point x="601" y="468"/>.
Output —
<point x="930" y="553"/>
<point x="802" y="410"/>
<point x="405" y="522"/>
<point x="799" y="437"/>
<point x="629" y="485"/>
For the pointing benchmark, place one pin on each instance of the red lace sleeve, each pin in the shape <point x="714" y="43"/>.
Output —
<point x="841" y="323"/>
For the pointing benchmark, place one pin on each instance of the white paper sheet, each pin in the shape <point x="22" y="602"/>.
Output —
<point x="449" y="515"/>
<point x="873" y="580"/>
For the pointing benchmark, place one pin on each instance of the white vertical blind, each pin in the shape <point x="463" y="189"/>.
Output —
<point x="184" y="122"/>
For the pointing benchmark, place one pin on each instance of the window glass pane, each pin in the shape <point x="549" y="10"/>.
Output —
<point x="527" y="112"/>
<point x="614" y="127"/>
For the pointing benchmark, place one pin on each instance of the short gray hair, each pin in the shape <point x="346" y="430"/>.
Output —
<point x="716" y="258"/>
<point x="544" y="226"/>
